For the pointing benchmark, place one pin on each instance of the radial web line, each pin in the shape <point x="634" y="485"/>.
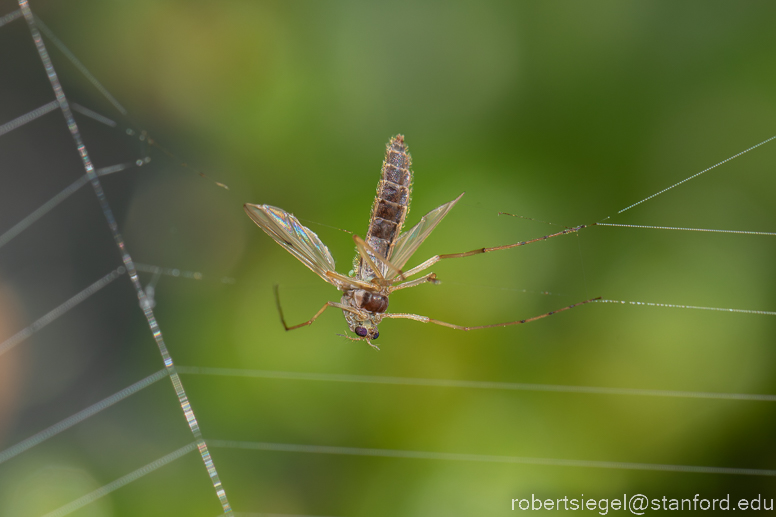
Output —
<point x="54" y="201"/>
<point x="676" y="306"/>
<point x="79" y="417"/>
<point x="28" y="117"/>
<point x="93" y="115"/>
<point x="145" y="305"/>
<point x="448" y="383"/>
<point x="744" y="232"/>
<point x="169" y="271"/>
<point x="81" y="68"/>
<point x="110" y="487"/>
<point x="60" y="310"/>
<point x="10" y="17"/>
<point x="110" y="169"/>
<point x="42" y="210"/>
<point x="394" y="453"/>
<point x="86" y="293"/>
<point x="697" y="174"/>
<point x="485" y="458"/>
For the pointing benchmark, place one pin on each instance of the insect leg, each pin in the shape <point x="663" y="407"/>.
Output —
<point x="308" y="322"/>
<point x="433" y="260"/>
<point x="342" y="280"/>
<point x="412" y="283"/>
<point x="426" y="319"/>
<point x="363" y="248"/>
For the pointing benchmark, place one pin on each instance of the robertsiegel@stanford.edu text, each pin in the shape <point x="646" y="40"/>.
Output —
<point x="638" y="504"/>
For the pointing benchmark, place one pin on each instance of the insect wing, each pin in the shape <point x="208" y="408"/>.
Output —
<point x="409" y="241"/>
<point x="299" y="240"/>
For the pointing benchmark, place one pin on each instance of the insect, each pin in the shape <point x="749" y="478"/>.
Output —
<point x="377" y="267"/>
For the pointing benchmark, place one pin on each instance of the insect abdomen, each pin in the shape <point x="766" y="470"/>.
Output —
<point x="393" y="198"/>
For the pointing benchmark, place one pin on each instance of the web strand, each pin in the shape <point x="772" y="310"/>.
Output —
<point x="151" y="379"/>
<point x="125" y="480"/>
<point x="697" y="174"/>
<point x="10" y="17"/>
<point x="110" y="98"/>
<point x="451" y="383"/>
<point x="696" y="307"/>
<point x="93" y="115"/>
<point x="741" y="232"/>
<point x="77" y="63"/>
<point x="451" y="456"/>
<point x="79" y="417"/>
<point x="127" y="259"/>
<point x="361" y="379"/>
<point x="169" y="271"/>
<point x="56" y="200"/>
<point x="403" y="454"/>
<point x="60" y="310"/>
<point x="28" y="117"/>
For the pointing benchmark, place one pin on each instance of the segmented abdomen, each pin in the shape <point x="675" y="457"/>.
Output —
<point x="392" y="201"/>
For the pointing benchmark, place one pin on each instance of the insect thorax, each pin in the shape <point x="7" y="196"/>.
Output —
<point x="391" y="204"/>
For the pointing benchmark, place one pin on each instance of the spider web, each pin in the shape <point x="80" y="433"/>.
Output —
<point x="92" y="176"/>
<point x="125" y="147"/>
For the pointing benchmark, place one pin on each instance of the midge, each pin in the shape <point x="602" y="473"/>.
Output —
<point x="377" y="268"/>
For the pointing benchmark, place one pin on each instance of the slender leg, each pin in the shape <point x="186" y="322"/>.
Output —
<point x="308" y="322"/>
<point x="433" y="260"/>
<point x="412" y="283"/>
<point x="363" y="248"/>
<point x="426" y="319"/>
<point x="337" y="278"/>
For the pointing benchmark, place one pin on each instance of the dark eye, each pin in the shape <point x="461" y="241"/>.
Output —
<point x="361" y="331"/>
<point x="377" y="335"/>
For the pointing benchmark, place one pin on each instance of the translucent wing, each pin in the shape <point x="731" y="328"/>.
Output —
<point x="299" y="240"/>
<point x="409" y="241"/>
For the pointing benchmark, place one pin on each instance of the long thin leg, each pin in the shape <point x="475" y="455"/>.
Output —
<point x="363" y="248"/>
<point x="433" y="260"/>
<point x="412" y="283"/>
<point x="337" y="278"/>
<point x="308" y="322"/>
<point x="426" y="319"/>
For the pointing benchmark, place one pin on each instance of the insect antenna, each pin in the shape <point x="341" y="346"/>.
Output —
<point x="357" y="339"/>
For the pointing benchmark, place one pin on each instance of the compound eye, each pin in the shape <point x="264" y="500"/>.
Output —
<point x="361" y="331"/>
<point x="377" y="335"/>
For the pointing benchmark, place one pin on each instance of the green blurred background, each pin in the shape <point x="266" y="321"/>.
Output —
<point x="564" y="112"/>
